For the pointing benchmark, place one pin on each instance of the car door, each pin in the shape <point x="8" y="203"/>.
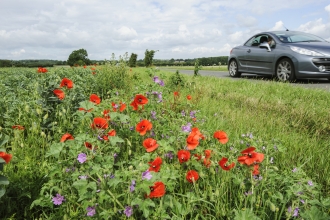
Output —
<point x="260" y="60"/>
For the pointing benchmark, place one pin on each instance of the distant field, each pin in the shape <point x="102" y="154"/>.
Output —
<point x="211" y="68"/>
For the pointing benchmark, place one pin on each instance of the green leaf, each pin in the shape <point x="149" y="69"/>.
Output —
<point x="314" y="214"/>
<point x="245" y="215"/>
<point x="2" y="160"/>
<point x="2" y="192"/>
<point x="3" y="139"/>
<point x="87" y="105"/>
<point x="81" y="186"/>
<point x="55" y="150"/>
<point x="115" y="139"/>
<point x="3" y="180"/>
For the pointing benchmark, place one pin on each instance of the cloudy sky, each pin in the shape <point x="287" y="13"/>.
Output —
<point x="52" y="29"/>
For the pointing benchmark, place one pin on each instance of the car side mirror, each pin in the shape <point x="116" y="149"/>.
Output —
<point x="265" y="45"/>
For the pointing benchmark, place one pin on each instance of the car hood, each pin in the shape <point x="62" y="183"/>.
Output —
<point x="321" y="47"/>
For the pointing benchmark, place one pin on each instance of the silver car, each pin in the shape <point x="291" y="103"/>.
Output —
<point x="287" y="55"/>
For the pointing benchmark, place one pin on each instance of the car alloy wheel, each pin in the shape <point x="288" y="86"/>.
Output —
<point x="233" y="69"/>
<point x="285" y="70"/>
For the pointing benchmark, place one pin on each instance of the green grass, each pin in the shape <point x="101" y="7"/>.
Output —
<point x="207" y="68"/>
<point x="290" y="125"/>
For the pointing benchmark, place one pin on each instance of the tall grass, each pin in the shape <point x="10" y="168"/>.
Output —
<point x="290" y="125"/>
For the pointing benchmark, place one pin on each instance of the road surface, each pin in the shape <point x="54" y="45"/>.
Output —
<point x="306" y="83"/>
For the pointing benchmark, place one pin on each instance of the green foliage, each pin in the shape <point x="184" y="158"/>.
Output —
<point x="78" y="57"/>
<point x="148" y="57"/>
<point x="132" y="60"/>
<point x="177" y="80"/>
<point x="197" y="68"/>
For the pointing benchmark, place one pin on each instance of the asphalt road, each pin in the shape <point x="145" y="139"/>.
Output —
<point x="323" y="84"/>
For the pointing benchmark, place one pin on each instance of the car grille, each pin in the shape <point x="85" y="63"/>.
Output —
<point x="322" y="62"/>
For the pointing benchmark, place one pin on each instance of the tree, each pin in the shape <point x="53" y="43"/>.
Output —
<point x="149" y="56"/>
<point x="132" y="60"/>
<point x="197" y="68"/>
<point x="79" y="57"/>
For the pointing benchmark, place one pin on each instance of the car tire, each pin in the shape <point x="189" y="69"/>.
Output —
<point x="233" y="69"/>
<point x="285" y="70"/>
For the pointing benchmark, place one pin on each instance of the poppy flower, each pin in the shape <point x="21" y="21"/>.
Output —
<point x="95" y="99"/>
<point x="122" y="107"/>
<point x="224" y="166"/>
<point x="112" y="133"/>
<point x="143" y="126"/>
<point x="207" y="162"/>
<point x="189" y="97"/>
<point x="193" y="139"/>
<point x="42" y="70"/>
<point x="84" y="66"/>
<point x="105" y="137"/>
<point x="139" y="100"/>
<point x="255" y="170"/>
<point x="183" y="155"/>
<point x="106" y="114"/>
<point x="250" y="157"/>
<point x="66" y="137"/>
<point x="99" y="123"/>
<point x="66" y="83"/>
<point x="85" y="110"/>
<point x="192" y="176"/>
<point x="6" y="157"/>
<point x="198" y="156"/>
<point x="18" y="127"/>
<point x="157" y="190"/>
<point x="155" y="165"/>
<point x="221" y="136"/>
<point x="176" y="94"/>
<point x="150" y="144"/>
<point x="88" y="145"/>
<point x="207" y="154"/>
<point x="59" y="93"/>
<point x="114" y="106"/>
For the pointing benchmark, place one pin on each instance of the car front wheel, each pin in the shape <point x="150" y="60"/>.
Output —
<point x="285" y="70"/>
<point x="233" y="69"/>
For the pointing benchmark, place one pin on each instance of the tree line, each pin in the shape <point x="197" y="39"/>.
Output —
<point x="80" y="58"/>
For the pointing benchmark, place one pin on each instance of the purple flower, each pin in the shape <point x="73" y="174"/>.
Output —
<point x="248" y="193"/>
<point x="289" y="210"/>
<point x="58" y="199"/>
<point x="117" y="93"/>
<point x="169" y="155"/>
<point x="310" y="183"/>
<point x="250" y="135"/>
<point x="192" y="114"/>
<point x="83" y="177"/>
<point x="132" y="186"/>
<point x="128" y="211"/>
<point x="294" y="169"/>
<point x="161" y="83"/>
<point x="302" y="201"/>
<point x="100" y="138"/>
<point x="295" y="212"/>
<point x="91" y="211"/>
<point x="82" y="157"/>
<point x="131" y="128"/>
<point x="186" y="128"/>
<point x="156" y="79"/>
<point x="115" y="155"/>
<point x="146" y="175"/>
<point x="183" y="113"/>
<point x="153" y="115"/>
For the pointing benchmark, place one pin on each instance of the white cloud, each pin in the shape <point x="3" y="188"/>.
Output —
<point x="317" y="27"/>
<point x="18" y="53"/>
<point x="126" y="33"/>
<point x="279" y="26"/>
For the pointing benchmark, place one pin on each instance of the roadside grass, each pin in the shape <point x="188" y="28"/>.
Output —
<point x="209" y="68"/>
<point x="290" y="125"/>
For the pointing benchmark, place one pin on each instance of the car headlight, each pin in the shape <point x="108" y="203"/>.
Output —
<point x="305" y="51"/>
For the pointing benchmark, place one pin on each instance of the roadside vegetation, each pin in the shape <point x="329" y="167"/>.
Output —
<point x="114" y="142"/>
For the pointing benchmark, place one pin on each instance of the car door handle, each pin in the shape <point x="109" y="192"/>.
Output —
<point x="248" y="50"/>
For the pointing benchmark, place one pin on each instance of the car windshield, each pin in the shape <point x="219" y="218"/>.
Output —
<point x="294" y="37"/>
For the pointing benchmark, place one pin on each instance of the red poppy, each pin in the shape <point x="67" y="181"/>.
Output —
<point x="112" y="133"/>
<point x="189" y="97"/>
<point x="122" y="107"/>
<point x="66" y="137"/>
<point x="99" y="123"/>
<point x="222" y="164"/>
<point x="143" y="126"/>
<point x="207" y="162"/>
<point x="157" y="190"/>
<point x="183" y="155"/>
<point x="221" y="136"/>
<point x="150" y="144"/>
<point x="114" y="106"/>
<point x="198" y="156"/>
<point x="176" y="94"/>
<point x="139" y="100"/>
<point x="250" y="157"/>
<point x="85" y="110"/>
<point x="84" y="66"/>
<point x="95" y="99"/>
<point x="18" y="127"/>
<point x="6" y="157"/>
<point x="42" y="70"/>
<point x="105" y="137"/>
<point x="207" y="154"/>
<point x="192" y="176"/>
<point x="155" y="165"/>
<point x="59" y="93"/>
<point x="88" y="145"/>
<point x="106" y="114"/>
<point x="255" y="170"/>
<point x="193" y="139"/>
<point x="66" y="83"/>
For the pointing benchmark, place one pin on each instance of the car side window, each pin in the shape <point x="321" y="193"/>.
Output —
<point x="252" y="42"/>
